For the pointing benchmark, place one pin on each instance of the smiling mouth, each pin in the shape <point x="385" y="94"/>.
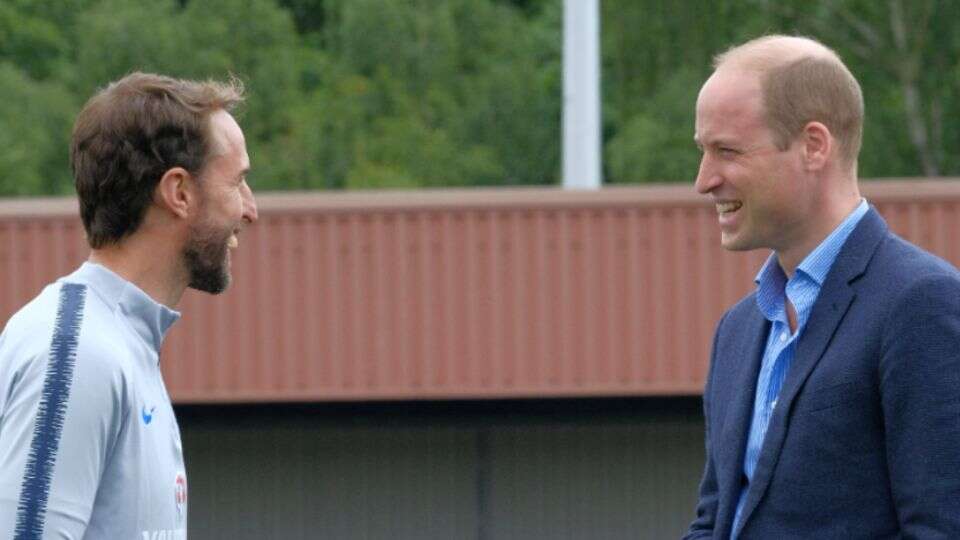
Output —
<point x="728" y="207"/>
<point x="233" y="242"/>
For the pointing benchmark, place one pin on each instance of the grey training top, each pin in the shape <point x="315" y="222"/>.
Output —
<point x="89" y="446"/>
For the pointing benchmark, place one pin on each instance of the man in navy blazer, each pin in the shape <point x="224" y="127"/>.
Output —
<point x="832" y="404"/>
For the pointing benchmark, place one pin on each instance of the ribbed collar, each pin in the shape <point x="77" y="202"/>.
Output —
<point x="149" y="319"/>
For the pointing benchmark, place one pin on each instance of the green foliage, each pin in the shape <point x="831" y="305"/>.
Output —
<point x="34" y="140"/>
<point x="652" y="145"/>
<point x="656" y="57"/>
<point x="410" y="93"/>
<point x="121" y="36"/>
<point x="455" y="93"/>
<point x="404" y="152"/>
<point x="32" y="43"/>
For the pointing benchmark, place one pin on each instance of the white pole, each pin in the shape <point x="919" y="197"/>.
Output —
<point x="581" y="94"/>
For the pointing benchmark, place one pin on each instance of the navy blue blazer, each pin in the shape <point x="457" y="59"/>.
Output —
<point x="865" y="439"/>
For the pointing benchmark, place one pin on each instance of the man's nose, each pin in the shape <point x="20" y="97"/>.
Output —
<point x="707" y="177"/>
<point x="249" y="204"/>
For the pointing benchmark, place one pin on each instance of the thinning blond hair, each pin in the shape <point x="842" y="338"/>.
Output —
<point x="802" y="81"/>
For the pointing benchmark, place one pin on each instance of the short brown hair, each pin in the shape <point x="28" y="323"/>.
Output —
<point x="129" y="134"/>
<point x="803" y="81"/>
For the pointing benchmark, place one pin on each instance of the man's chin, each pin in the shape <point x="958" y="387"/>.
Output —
<point x="210" y="289"/>
<point x="210" y="281"/>
<point x="734" y="242"/>
<point x="205" y="274"/>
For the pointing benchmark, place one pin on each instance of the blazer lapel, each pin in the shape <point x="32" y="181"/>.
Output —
<point x="832" y="303"/>
<point x="748" y="352"/>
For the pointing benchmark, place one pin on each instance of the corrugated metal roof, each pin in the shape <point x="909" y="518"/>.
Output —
<point x="456" y="294"/>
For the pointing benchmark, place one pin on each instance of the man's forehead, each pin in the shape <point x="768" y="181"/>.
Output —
<point x="730" y="88"/>
<point x="728" y="109"/>
<point x="730" y="94"/>
<point x="225" y="133"/>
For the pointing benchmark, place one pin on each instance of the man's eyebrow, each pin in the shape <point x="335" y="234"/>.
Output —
<point x="716" y="143"/>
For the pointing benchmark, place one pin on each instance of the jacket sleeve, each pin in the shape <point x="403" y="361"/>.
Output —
<point x="702" y="526"/>
<point x="920" y="387"/>
<point x="707" y="502"/>
<point x="56" y="431"/>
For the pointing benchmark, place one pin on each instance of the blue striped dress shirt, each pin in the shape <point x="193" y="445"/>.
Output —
<point x="773" y="288"/>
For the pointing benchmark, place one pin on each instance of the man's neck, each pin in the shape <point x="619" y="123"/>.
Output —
<point x="820" y="228"/>
<point x="151" y="272"/>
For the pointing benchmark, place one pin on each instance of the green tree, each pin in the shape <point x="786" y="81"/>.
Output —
<point x="905" y="54"/>
<point x="476" y="82"/>
<point x="254" y="40"/>
<point x="907" y="57"/>
<point x="653" y="144"/>
<point x="36" y="119"/>
<point x="407" y="93"/>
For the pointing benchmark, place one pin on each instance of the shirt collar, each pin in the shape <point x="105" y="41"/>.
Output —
<point x="771" y="280"/>
<point x="149" y="319"/>
<point x="817" y="264"/>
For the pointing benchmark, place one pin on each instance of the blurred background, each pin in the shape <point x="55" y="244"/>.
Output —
<point x="426" y="338"/>
<point x="427" y="93"/>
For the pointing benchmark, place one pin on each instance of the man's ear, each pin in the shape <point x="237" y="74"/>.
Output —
<point x="176" y="192"/>
<point x="817" y="145"/>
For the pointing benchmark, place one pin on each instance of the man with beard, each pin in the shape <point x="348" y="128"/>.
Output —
<point x="89" y="446"/>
